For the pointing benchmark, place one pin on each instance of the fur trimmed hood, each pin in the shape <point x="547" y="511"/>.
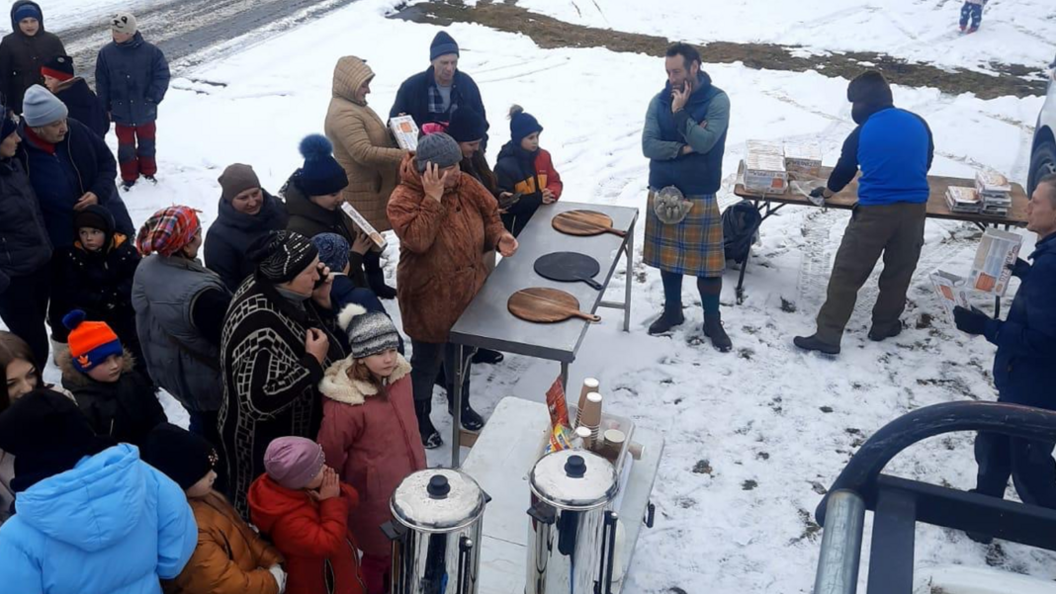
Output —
<point x="338" y="386"/>
<point x="73" y="379"/>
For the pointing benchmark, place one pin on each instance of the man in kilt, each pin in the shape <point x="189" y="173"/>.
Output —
<point x="684" y="139"/>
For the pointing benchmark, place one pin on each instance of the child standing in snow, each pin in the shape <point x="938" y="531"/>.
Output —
<point x="96" y="275"/>
<point x="370" y="430"/>
<point x="973" y="10"/>
<point x="525" y="169"/>
<point x="302" y="505"/>
<point x="230" y="557"/>
<point x="118" y="400"/>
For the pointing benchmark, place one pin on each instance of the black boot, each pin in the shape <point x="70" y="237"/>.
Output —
<point x="713" y="329"/>
<point x="430" y="436"/>
<point x="671" y="317"/>
<point x="471" y="419"/>
<point x="813" y="343"/>
<point x="488" y="357"/>
<point x="880" y="334"/>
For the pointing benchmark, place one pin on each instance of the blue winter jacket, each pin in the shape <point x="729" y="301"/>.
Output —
<point x="111" y="525"/>
<point x="1026" y="341"/>
<point x="131" y="80"/>
<point x="894" y="149"/>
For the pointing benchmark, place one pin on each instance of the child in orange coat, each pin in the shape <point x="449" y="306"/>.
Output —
<point x="303" y="506"/>
<point x="526" y="171"/>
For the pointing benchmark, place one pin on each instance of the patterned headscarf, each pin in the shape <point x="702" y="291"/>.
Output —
<point x="282" y="255"/>
<point x="168" y="231"/>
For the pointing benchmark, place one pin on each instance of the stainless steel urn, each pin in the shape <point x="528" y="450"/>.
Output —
<point x="438" y="519"/>
<point x="572" y="531"/>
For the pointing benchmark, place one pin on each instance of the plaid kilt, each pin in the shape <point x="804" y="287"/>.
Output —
<point x="693" y="247"/>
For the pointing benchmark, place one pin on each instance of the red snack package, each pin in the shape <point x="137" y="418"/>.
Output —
<point x="555" y="402"/>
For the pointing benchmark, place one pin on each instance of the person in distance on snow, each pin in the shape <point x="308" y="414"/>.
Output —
<point x="24" y="51"/>
<point x="894" y="149"/>
<point x="132" y="77"/>
<point x="1023" y="369"/>
<point x="684" y="139"/>
<point x="432" y="96"/>
<point x="524" y="168"/>
<point x="972" y="10"/>
<point x="72" y="90"/>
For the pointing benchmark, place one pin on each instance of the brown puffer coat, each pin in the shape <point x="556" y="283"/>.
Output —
<point x="230" y="557"/>
<point x="362" y="144"/>
<point x="441" y="266"/>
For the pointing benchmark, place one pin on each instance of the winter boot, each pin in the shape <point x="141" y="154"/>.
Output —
<point x="713" y="329"/>
<point x="813" y="343"/>
<point x="488" y="357"/>
<point x="670" y="318"/>
<point x="471" y="419"/>
<point x="127" y="185"/>
<point x="972" y="29"/>
<point x="880" y="334"/>
<point x="430" y="436"/>
<point x="151" y="179"/>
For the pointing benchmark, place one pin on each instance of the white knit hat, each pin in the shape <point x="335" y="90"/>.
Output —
<point x="124" y="22"/>
<point x="40" y="107"/>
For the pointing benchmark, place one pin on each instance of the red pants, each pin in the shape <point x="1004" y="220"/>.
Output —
<point x="376" y="570"/>
<point x="136" y="160"/>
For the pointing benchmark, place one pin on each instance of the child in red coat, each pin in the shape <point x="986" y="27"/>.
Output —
<point x="526" y="171"/>
<point x="369" y="431"/>
<point x="302" y="505"/>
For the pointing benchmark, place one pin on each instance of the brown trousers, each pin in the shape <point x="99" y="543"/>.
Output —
<point x="895" y="231"/>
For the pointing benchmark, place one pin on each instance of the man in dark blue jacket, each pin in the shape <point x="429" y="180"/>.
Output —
<point x="1023" y="366"/>
<point x="432" y="96"/>
<point x="894" y="150"/>
<point x="70" y="168"/>
<point x="132" y="77"/>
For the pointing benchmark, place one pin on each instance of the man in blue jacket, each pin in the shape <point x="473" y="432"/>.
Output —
<point x="132" y="77"/>
<point x="432" y="96"/>
<point x="1023" y="366"/>
<point x="894" y="150"/>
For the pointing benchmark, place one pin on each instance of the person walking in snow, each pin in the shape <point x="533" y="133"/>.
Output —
<point x="364" y="148"/>
<point x="972" y="9"/>
<point x="684" y="139"/>
<point x="432" y="96"/>
<point x="72" y="90"/>
<point x="894" y="149"/>
<point x="132" y="77"/>
<point x="24" y="51"/>
<point x="1023" y="370"/>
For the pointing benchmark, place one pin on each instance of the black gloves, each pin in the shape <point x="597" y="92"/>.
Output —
<point x="970" y="321"/>
<point x="1020" y="269"/>
<point x="818" y="192"/>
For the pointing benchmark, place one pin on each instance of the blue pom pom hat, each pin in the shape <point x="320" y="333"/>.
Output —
<point x="321" y="174"/>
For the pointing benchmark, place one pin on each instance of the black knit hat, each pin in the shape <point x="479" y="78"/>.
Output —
<point x="442" y="45"/>
<point x="321" y="175"/>
<point x="467" y="125"/>
<point x="95" y="217"/>
<point x="522" y="124"/>
<point x="59" y="67"/>
<point x="179" y="454"/>
<point x="281" y="255"/>
<point x="48" y="435"/>
<point x="870" y="87"/>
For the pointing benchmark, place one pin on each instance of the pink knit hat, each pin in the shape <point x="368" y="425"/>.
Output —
<point x="293" y="461"/>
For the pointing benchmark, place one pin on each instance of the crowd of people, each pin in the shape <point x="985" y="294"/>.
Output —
<point x="304" y="412"/>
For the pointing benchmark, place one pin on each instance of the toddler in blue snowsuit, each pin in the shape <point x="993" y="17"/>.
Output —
<point x="972" y="9"/>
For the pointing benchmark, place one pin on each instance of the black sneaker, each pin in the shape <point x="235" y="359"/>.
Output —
<point x="713" y="329"/>
<point x="877" y="335"/>
<point x="667" y="321"/>
<point x="488" y="357"/>
<point x="813" y="343"/>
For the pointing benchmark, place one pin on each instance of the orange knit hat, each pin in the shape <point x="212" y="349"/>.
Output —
<point x="91" y="343"/>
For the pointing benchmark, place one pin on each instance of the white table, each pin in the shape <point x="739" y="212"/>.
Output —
<point x="504" y="455"/>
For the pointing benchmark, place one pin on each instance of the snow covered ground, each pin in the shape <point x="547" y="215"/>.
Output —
<point x="752" y="436"/>
<point x="1013" y="32"/>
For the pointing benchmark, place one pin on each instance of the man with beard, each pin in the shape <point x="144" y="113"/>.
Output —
<point x="894" y="149"/>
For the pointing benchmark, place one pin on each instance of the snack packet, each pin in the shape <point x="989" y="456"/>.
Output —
<point x="555" y="402"/>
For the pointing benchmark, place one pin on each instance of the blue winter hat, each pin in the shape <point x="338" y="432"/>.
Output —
<point x="522" y="124"/>
<point x="27" y="11"/>
<point x="321" y="174"/>
<point x="333" y="250"/>
<point x="442" y="45"/>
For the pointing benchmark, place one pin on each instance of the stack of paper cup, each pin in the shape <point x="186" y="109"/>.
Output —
<point x="589" y="385"/>
<point x="590" y="415"/>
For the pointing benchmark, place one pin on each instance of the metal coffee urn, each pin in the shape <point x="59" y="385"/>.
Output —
<point x="436" y="532"/>
<point x="572" y="531"/>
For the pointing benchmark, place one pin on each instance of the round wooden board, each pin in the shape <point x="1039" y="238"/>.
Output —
<point x="546" y="306"/>
<point x="583" y="223"/>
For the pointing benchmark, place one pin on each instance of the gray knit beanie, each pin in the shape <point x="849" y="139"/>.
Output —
<point x="40" y="107"/>
<point x="438" y="148"/>
<point x="369" y="333"/>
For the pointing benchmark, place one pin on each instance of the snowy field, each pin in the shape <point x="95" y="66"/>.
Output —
<point x="752" y="436"/>
<point x="1013" y="31"/>
<point x="64" y="14"/>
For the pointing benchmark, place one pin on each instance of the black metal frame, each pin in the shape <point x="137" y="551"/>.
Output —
<point x="899" y="504"/>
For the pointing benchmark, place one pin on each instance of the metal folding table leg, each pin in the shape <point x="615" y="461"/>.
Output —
<point x="564" y="376"/>
<point x="456" y="414"/>
<point x="628" y="280"/>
